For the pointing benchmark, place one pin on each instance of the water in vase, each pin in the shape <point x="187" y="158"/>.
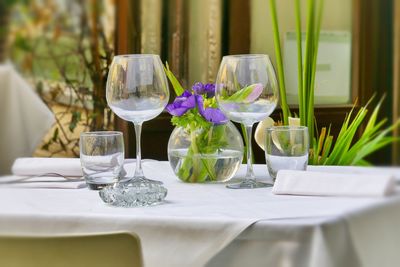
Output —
<point x="216" y="167"/>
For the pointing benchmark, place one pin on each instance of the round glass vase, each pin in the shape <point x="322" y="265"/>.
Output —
<point x="211" y="154"/>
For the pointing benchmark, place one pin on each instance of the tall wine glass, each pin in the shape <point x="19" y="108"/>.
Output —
<point x="247" y="92"/>
<point x="137" y="91"/>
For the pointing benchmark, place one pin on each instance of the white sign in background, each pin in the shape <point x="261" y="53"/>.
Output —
<point x="333" y="76"/>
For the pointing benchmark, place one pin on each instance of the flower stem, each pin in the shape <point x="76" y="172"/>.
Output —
<point x="193" y="146"/>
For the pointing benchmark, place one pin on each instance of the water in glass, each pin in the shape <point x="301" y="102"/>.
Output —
<point x="102" y="158"/>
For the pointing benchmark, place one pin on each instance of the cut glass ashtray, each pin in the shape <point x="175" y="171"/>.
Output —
<point x="134" y="193"/>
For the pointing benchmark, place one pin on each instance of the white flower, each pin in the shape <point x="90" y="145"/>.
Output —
<point x="259" y="135"/>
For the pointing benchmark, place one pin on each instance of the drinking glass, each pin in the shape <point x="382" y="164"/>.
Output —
<point x="137" y="91"/>
<point x="247" y="92"/>
<point x="102" y="158"/>
<point x="286" y="148"/>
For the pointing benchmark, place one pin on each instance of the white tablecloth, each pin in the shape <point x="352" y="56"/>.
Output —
<point x="24" y="118"/>
<point x="208" y="224"/>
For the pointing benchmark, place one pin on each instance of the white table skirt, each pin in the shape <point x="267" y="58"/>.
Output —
<point x="24" y="118"/>
<point x="208" y="224"/>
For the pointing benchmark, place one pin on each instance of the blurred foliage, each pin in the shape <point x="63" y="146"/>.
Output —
<point x="5" y="7"/>
<point x="65" y="47"/>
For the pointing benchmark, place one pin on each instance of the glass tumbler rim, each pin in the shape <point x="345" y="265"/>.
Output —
<point x="286" y="127"/>
<point x="135" y="56"/>
<point x="239" y="56"/>
<point x="102" y="133"/>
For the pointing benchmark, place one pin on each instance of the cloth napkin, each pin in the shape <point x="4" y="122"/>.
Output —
<point x="289" y="182"/>
<point x="60" y="173"/>
<point x="51" y="182"/>
<point x="65" y="173"/>
<point x="70" y="167"/>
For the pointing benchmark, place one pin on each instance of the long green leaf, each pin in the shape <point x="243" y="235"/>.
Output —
<point x="279" y="62"/>
<point x="174" y="81"/>
<point x="362" y="141"/>
<point x="368" y="135"/>
<point x="378" y="142"/>
<point x="346" y="122"/>
<point x="374" y="116"/>
<point x="308" y="56"/>
<point x="372" y="147"/>
<point x="344" y="140"/>
<point x="299" y="62"/>
<point x="353" y="128"/>
<point x="314" y="55"/>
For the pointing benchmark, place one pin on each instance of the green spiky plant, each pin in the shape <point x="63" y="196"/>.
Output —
<point x="346" y="150"/>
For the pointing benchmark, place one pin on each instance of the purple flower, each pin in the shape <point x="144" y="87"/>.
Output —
<point x="200" y="89"/>
<point x="213" y="115"/>
<point x="209" y="89"/>
<point x="181" y="104"/>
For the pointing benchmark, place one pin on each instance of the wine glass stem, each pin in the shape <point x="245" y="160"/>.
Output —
<point x="250" y="173"/>
<point x="138" y="132"/>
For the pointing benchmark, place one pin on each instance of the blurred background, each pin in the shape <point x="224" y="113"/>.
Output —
<point x="62" y="49"/>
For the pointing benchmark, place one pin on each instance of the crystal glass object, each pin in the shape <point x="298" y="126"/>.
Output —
<point x="247" y="92"/>
<point x="102" y="157"/>
<point x="137" y="91"/>
<point x="205" y="155"/>
<point x="286" y="148"/>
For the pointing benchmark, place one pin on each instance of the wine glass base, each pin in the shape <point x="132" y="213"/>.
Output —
<point x="137" y="192"/>
<point x="249" y="184"/>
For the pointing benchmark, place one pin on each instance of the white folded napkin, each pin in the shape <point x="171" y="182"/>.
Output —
<point x="70" y="167"/>
<point x="65" y="173"/>
<point x="289" y="182"/>
<point x="62" y="173"/>
<point x="55" y="182"/>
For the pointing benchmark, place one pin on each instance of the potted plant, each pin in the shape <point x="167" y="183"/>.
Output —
<point x="325" y="149"/>
<point x="204" y="146"/>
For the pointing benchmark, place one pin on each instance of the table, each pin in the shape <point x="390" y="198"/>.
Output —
<point x="207" y="224"/>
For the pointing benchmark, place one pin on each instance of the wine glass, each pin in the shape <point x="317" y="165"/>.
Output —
<point x="247" y="92"/>
<point x="137" y="91"/>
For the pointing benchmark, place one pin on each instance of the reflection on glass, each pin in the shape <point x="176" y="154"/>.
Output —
<point x="247" y="92"/>
<point x="137" y="91"/>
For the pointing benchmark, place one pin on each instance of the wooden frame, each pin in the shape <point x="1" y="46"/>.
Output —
<point x="121" y="47"/>
<point x="355" y="50"/>
<point x="372" y="67"/>
<point x="396" y="79"/>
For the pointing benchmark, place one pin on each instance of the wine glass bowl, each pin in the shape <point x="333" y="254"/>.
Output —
<point x="240" y="71"/>
<point x="137" y="91"/>
<point x="247" y="92"/>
